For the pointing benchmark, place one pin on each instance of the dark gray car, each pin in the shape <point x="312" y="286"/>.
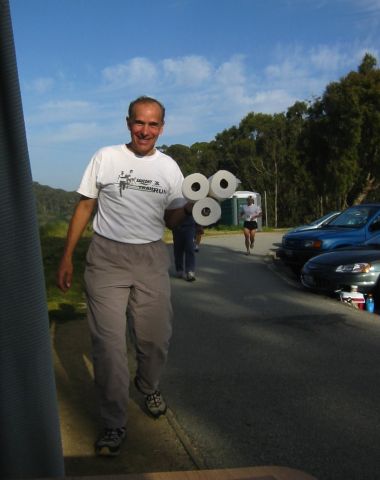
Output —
<point x="338" y="270"/>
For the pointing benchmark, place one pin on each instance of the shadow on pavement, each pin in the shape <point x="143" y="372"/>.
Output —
<point x="151" y="445"/>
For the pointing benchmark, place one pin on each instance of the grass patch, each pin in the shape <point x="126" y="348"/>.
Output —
<point x="70" y="305"/>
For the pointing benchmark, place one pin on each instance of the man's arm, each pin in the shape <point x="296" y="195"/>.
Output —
<point x="177" y="215"/>
<point x="78" y="223"/>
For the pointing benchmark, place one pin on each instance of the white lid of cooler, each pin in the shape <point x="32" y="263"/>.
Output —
<point x="355" y="296"/>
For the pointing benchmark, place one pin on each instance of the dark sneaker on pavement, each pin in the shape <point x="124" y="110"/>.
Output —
<point x="155" y="404"/>
<point x="109" y="442"/>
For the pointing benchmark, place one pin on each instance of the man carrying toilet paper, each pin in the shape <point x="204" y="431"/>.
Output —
<point x="135" y="190"/>
<point x="250" y="213"/>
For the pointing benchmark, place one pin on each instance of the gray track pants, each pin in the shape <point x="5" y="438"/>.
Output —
<point x="118" y="276"/>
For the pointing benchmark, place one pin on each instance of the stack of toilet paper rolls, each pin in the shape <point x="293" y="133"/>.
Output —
<point x="207" y="193"/>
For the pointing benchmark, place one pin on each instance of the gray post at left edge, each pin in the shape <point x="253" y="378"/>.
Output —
<point x="30" y="441"/>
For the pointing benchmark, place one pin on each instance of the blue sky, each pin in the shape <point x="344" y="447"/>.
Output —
<point x="210" y="62"/>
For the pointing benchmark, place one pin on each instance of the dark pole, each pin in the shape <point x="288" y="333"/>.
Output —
<point x="30" y="442"/>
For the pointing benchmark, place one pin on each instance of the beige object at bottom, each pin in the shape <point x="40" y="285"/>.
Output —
<point x="249" y="473"/>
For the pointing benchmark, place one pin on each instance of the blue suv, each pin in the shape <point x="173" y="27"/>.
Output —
<point x="353" y="226"/>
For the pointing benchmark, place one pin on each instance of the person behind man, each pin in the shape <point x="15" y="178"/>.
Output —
<point x="250" y="213"/>
<point x="127" y="264"/>
<point x="183" y="246"/>
<point x="199" y="231"/>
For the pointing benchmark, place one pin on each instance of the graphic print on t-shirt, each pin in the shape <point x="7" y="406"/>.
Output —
<point x="126" y="180"/>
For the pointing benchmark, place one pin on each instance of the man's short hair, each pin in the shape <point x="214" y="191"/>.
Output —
<point x="145" y="99"/>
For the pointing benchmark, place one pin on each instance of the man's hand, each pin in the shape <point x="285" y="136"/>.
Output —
<point x="65" y="274"/>
<point x="78" y="223"/>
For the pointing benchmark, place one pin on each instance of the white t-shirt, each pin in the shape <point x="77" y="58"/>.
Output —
<point x="251" y="212"/>
<point x="133" y="193"/>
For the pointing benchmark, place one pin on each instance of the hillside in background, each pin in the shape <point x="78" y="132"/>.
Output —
<point x="53" y="204"/>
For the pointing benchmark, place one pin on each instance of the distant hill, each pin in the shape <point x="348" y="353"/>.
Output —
<point x="53" y="204"/>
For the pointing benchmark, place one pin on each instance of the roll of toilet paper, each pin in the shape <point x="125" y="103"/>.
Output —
<point x="206" y="211"/>
<point x="195" y="187"/>
<point x="222" y="185"/>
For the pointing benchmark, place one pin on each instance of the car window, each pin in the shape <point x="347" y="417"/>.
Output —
<point x="354" y="217"/>
<point x="375" y="225"/>
<point x="323" y="219"/>
<point x="329" y="219"/>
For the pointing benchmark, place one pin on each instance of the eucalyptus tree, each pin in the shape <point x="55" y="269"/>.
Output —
<point x="367" y="85"/>
<point x="262" y="152"/>
<point x="344" y="137"/>
<point x="223" y="146"/>
<point x="296" y="187"/>
<point x="183" y="155"/>
<point x="268" y="157"/>
<point x="205" y="158"/>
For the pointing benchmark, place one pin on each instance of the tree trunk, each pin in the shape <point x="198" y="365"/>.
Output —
<point x="369" y="186"/>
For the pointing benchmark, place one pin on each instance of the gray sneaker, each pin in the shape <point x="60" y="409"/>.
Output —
<point x="190" y="277"/>
<point x="109" y="442"/>
<point x="155" y="404"/>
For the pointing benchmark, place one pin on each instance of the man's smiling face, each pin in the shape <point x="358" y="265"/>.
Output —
<point x="145" y="125"/>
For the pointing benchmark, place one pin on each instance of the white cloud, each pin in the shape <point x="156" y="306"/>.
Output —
<point x="367" y="16"/>
<point x="271" y="101"/>
<point x="304" y="73"/>
<point x="282" y="70"/>
<point x="371" y="6"/>
<point x="231" y="72"/>
<point x="137" y="71"/>
<point x="187" y="71"/>
<point x="65" y="105"/>
<point x="178" y="124"/>
<point x="41" y="85"/>
<point x="62" y="111"/>
<point x="329" y="58"/>
<point x="72" y="132"/>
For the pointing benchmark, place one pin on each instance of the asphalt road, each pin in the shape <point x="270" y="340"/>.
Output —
<point x="262" y="372"/>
